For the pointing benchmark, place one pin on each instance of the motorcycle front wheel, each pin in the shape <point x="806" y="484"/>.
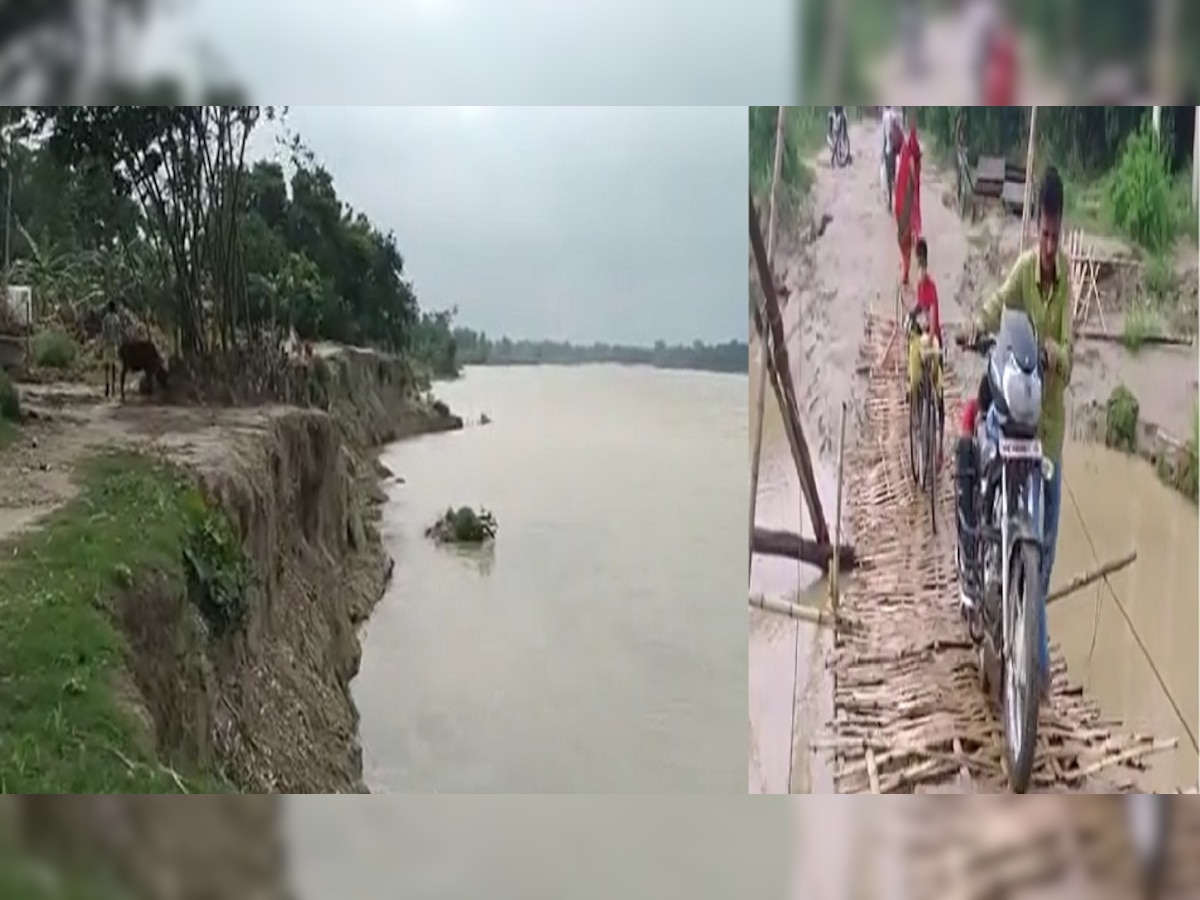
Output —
<point x="1149" y="822"/>
<point x="1021" y="667"/>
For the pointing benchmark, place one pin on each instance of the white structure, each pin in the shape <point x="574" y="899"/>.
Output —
<point x="19" y="305"/>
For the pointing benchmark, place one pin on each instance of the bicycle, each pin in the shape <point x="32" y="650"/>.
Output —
<point x="923" y="420"/>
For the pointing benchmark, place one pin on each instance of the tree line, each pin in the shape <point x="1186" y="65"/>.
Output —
<point x="477" y="348"/>
<point x="159" y="208"/>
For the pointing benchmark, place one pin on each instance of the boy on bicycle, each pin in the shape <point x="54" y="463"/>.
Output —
<point x="928" y="307"/>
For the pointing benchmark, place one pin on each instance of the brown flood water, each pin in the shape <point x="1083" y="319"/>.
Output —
<point x="1111" y="503"/>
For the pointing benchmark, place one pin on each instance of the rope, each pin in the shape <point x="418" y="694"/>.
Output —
<point x="1162" y="682"/>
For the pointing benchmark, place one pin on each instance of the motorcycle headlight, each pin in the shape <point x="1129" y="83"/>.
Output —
<point x="1047" y="468"/>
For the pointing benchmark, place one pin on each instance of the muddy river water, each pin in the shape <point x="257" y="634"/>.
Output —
<point x="1141" y="668"/>
<point x="601" y="646"/>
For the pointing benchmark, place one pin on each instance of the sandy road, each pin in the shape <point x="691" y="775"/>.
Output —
<point x="834" y="281"/>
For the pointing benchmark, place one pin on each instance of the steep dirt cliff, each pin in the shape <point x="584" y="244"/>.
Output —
<point x="266" y="701"/>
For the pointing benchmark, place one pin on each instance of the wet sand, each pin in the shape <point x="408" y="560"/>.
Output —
<point x="834" y="281"/>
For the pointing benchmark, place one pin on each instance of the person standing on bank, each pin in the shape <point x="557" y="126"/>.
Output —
<point x="110" y="337"/>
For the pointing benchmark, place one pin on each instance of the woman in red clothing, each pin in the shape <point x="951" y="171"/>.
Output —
<point x="908" y="197"/>
<point x="1000" y="68"/>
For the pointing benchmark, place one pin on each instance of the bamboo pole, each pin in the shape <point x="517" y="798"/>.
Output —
<point x="764" y="349"/>
<point x="767" y="318"/>
<point x="1028" y="175"/>
<point x="837" y="518"/>
<point x="798" y="611"/>
<point x="1081" y="581"/>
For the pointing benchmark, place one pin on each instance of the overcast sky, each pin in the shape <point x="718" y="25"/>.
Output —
<point x="619" y="224"/>
<point x="607" y="224"/>
<point x="494" y="51"/>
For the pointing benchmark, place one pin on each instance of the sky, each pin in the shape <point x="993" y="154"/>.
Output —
<point x="497" y="52"/>
<point x="615" y="224"/>
<point x="610" y="224"/>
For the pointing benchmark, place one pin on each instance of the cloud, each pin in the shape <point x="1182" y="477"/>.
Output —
<point x="620" y="224"/>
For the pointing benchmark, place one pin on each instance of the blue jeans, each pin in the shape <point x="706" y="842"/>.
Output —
<point x="1052" y="498"/>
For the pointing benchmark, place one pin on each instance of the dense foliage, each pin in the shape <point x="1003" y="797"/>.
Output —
<point x="158" y="208"/>
<point x="1082" y="139"/>
<point x="476" y="348"/>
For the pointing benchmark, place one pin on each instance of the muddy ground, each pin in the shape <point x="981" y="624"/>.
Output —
<point x="834" y="279"/>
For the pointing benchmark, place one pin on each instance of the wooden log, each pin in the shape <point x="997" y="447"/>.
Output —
<point x="837" y="518"/>
<point x="788" y="544"/>
<point x="1081" y="581"/>
<point x="763" y="373"/>
<point x="1165" y="340"/>
<point x="769" y="322"/>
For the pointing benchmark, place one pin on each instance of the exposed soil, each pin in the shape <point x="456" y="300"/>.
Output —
<point x="270" y="707"/>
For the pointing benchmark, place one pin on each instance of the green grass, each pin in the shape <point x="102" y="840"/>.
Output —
<point x="1142" y="320"/>
<point x="24" y="878"/>
<point x="54" y="349"/>
<point x="61" y="727"/>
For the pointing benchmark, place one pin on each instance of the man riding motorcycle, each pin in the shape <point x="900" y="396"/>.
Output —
<point x="1038" y="284"/>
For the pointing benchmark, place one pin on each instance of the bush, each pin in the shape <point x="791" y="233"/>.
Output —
<point x="1158" y="278"/>
<point x="1121" y="419"/>
<point x="54" y="350"/>
<point x="10" y="400"/>
<point x="1142" y="321"/>
<point x="218" y="577"/>
<point x="463" y="526"/>
<point x="1140" y="193"/>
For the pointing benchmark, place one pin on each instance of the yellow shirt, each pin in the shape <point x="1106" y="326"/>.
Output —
<point x="1049" y="308"/>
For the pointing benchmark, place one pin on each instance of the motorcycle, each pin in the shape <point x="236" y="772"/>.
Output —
<point x="1148" y="817"/>
<point x="1001" y="565"/>
<point x="837" y="139"/>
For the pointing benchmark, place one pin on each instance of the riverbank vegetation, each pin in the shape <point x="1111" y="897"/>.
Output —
<point x="1120" y="177"/>
<point x="804" y="134"/>
<point x="66" y="727"/>
<point x="160" y="209"/>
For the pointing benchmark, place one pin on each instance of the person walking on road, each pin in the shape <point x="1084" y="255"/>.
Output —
<point x="908" y="197"/>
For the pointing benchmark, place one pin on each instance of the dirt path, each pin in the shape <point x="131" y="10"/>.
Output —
<point x="72" y="421"/>
<point x="849" y="268"/>
<point x="834" y="280"/>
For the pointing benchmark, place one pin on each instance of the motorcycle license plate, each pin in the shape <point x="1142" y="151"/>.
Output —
<point x="1013" y="448"/>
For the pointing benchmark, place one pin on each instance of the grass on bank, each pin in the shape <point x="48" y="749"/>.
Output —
<point x="804" y="134"/>
<point x="61" y="727"/>
<point x="24" y="877"/>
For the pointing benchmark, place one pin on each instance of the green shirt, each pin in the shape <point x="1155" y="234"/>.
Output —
<point x="1049" y="307"/>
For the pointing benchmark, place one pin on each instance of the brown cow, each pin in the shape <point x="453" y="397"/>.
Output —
<point x="140" y="355"/>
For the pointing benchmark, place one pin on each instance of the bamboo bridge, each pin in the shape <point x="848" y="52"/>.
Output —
<point x="909" y="711"/>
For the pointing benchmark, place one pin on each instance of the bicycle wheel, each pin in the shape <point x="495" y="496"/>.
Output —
<point x="914" y="436"/>
<point x="930" y="438"/>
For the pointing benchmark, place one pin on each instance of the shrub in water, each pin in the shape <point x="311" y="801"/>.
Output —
<point x="1121" y="419"/>
<point x="463" y="526"/>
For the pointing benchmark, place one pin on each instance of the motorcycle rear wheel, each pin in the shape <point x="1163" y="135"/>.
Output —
<point x="1021" y="663"/>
